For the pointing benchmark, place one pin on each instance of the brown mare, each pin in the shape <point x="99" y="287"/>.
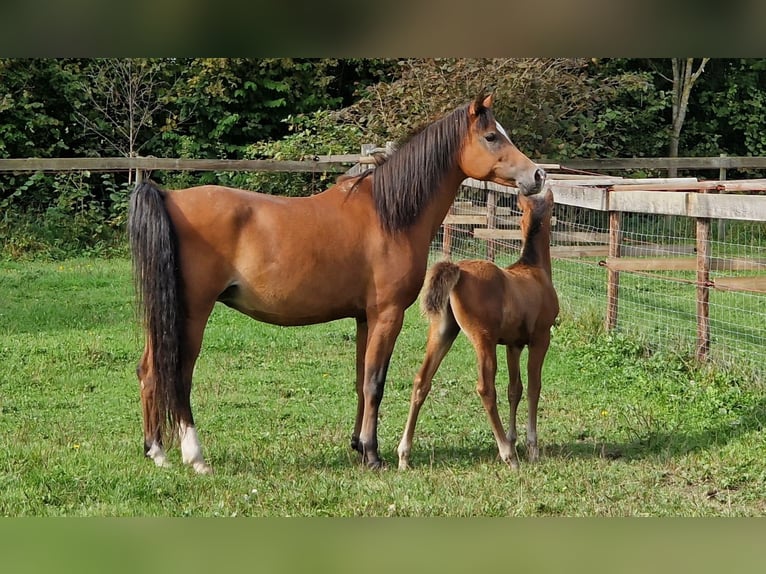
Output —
<point x="515" y="307"/>
<point x="359" y="250"/>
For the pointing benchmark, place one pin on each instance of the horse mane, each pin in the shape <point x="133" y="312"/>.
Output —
<point x="404" y="184"/>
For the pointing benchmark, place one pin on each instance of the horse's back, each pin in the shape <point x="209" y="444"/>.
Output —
<point x="504" y="304"/>
<point x="282" y="260"/>
<point x="477" y="299"/>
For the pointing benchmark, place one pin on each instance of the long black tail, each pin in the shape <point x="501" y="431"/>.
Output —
<point x="156" y="274"/>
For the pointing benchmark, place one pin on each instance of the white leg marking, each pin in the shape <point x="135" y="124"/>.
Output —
<point x="191" y="450"/>
<point x="404" y="455"/>
<point x="156" y="453"/>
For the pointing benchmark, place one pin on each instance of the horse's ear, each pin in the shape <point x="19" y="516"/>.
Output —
<point x="479" y="104"/>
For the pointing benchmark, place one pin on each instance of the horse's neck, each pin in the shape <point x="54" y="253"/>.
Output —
<point x="536" y="248"/>
<point x="437" y="210"/>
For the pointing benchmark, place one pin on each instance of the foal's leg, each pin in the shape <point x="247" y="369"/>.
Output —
<point x="537" y="353"/>
<point x="361" y="348"/>
<point x="383" y="329"/>
<point x="441" y="334"/>
<point x="487" y="359"/>
<point x="515" y="389"/>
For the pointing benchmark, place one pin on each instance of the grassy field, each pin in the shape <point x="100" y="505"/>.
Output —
<point x="625" y="430"/>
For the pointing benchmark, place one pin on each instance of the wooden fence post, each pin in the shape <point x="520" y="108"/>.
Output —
<point x="491" y="220"/>
<point x="447" y="234"/>
<point x="613" y="281"/>
<point x="721" y="177"/>
<point x="703" y="288"/>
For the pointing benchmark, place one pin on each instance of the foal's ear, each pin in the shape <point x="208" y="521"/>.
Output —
<point x="479" y="104"/>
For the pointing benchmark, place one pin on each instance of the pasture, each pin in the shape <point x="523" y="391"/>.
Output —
<point x="624" y="429"/>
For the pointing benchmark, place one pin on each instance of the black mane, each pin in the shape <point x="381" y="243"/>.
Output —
<point x="408" y="180"/>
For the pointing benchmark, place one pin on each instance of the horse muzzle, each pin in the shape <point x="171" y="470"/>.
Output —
<point x="534" y="184"/>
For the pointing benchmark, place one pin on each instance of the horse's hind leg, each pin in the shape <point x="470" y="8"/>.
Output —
<point x="441" y="335"/>
<point x="191" y="449"/>
<point x="361" y="349"/>
<point x="486" y="353"/>
<point x="152" y="437"/>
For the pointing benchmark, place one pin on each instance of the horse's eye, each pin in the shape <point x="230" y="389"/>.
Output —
<point x="490" y="137"/>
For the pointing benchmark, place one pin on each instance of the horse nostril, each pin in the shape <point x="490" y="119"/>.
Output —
<point x="539" y="177"/>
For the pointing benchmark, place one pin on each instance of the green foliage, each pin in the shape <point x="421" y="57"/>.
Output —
<point x="225" y="105"/>
<point x="728" y="117"/>
<point x="74" y="224"/>
<point x="31" y="120"/>
<point x="291" y="107"/>
<point x="552" y="108"/>
<point x="318" y="133"/>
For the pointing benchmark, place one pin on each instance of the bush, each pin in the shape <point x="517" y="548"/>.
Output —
<point x="65" y="215"/>
<point x="318" y="133"/>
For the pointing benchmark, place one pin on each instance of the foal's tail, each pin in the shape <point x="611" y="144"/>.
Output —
<point x="154" y="248"/>
<point x="440" y="280"/>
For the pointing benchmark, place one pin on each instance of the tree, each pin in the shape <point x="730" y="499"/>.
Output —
<point x="122" y="98"/>
<point x="684" y="77"/>
<point x="553" y="108"/>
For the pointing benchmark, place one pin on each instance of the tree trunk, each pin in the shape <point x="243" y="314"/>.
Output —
<point x="684" y="77"/>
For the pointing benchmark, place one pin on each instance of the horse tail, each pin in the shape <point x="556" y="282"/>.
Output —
<point x="154" y="249"/>
<point x="440" y="280"/>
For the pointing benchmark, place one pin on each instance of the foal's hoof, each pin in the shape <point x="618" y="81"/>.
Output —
<point x="512" y="462"/>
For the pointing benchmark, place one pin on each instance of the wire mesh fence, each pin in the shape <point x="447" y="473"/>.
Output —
<point x="659" y="287"/>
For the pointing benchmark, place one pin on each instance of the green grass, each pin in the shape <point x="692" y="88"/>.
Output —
<point x="626" y="429"/>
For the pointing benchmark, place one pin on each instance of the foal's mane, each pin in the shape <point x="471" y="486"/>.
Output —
<point x="538" y="212"/>
<point x="408" y="180"/>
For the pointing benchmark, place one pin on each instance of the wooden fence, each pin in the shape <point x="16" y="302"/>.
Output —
<point x="702" y="200"/>
<point x="689" y="197"/>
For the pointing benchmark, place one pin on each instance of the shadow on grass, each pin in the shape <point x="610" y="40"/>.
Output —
<point x="338" y="456"/>
<point x="652" y="444"/>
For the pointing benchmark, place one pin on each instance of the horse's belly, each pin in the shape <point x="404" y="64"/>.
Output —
<point x="288" y="308"/>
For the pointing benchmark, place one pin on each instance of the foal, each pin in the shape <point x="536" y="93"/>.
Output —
<point x="515" y="307"/>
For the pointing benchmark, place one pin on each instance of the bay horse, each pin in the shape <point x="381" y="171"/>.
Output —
<point x="357" y="250"/>
<point x="513" y="306"/>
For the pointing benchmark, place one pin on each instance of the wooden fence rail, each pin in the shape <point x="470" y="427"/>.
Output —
<point x="336" y="162"/>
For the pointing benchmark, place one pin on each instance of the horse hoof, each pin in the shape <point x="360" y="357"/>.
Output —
<point x="375" y="464"/>
<point x="202" y="468"/>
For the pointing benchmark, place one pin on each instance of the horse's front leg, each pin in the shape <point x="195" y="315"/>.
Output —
<point x="513" y="357"/>
<point x="383" y="330"/>
<point x="536" y="357"/>
<point x="361" y="349"/>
